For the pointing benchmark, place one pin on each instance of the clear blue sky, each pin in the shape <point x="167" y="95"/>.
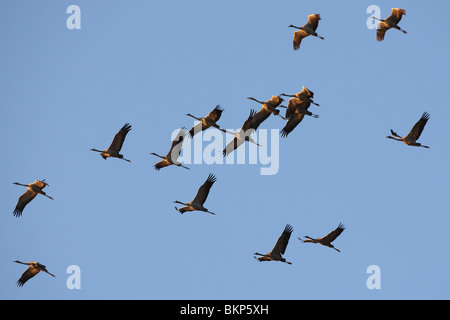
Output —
<point x="151" y="62"/>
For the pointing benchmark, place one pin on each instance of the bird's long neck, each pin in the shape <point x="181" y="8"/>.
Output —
<point x="184" y="204"/>
<point x="251" y="98"/>
<point x="291" y="26"/>
<point x="17" y="261"/>
<point x="260" y="254"/>
<point x="377" y="19"/>
<point x="190" y="115"/>
<point x="157" y="155"/>
<point x="20" y="184"/>
<point x="96" y="150"/>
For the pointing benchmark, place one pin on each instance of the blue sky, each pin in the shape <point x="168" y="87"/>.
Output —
<point x="149" y="63"/>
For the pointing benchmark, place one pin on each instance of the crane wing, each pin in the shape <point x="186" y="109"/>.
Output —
<point x="259" y="118"/>
<point x="27" y="275"/>
<point x="197" y="128"/>
<point x="417" y="129"/>
<point x="177" y="144"/>
<point x="246" y="129"/>
<point x="291" y="124"/>
<point x="307" y="92"/>
<point x="334" y="234"/>
<point x="313" y="21"/>
<point x="381" y="30"/>
<point x="24" y="199"/>
<point x="298" y="37"/>
<point x="292" y="106"/>
<point x="203" y="191"/>
<point x="232" y="145"/>
<point x="283" y="240"/>
<point x="119" y="138"/>
<point x="162" y="164"/>
<point x="215" y="114"/>
<point x="396" y="16"/>
<point x="248" y="123"/>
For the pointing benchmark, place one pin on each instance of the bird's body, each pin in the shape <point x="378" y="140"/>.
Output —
<point x="390" y="22"/>
<point x="175" y="149"/>
<point x="267" y="108"/>
<point x="33" y="269"/>
<point x="116" y="145"/>
<point x="414" y="134"/>
<point x="241" y="136"/>
<point x="33" y="189"/>
<point x="200" y="198"/>
<point x="326" y="241"/>
<point x="206" y="122"/>
<point x="309" y="29"/>
<point x="279" y="249"/>
<point x="295" y="112"/>
<point x="304" y="95"/>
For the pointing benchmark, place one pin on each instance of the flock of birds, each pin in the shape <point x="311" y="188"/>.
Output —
<point x="296" y="109"/>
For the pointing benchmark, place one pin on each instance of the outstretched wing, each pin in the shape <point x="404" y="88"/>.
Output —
<point x="292" y="105"/>
<point x="215" y="114"/>
<point x="283" y="240"/>
<point x="231" y="146"/>
<point x="24" y="199"/>
<point x="246" y="128"/>
<point x="381" y="30"/>
<point x="313" y="21"/>
<point x="177" y="144"/>
<point x="416" y="131"/>
<point x="305" y="91"/>
<point x="197" y="128"/>
<point x="298" y="37"/>
<point x="334" y="234"/>
<point x="396" y="16"/>
<point x="291" y="124"/>
<point x="119" y="138"/>
<point x="27" y="275"/>
<point x="259" y="118"/>
<point x="203" y="191"/>
<point x="248" y="123"/>
<point x="162" y="164"/>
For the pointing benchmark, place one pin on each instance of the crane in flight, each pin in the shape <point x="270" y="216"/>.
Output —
<point x="206" y="122"/>
<point x="116" y="145"/>
<point x="241" y="136"/>
<point x="280" y="247"/>
<point x="328" y="239"/>
<point x="414" y="134"/>
<point x="33" y="189"/>
<point x="175" y="149"/>
<point x="200" y="198"/>
<point x="390" y="22"/>
<point x="33" y="269"/>
<point x="309" y="29"/>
